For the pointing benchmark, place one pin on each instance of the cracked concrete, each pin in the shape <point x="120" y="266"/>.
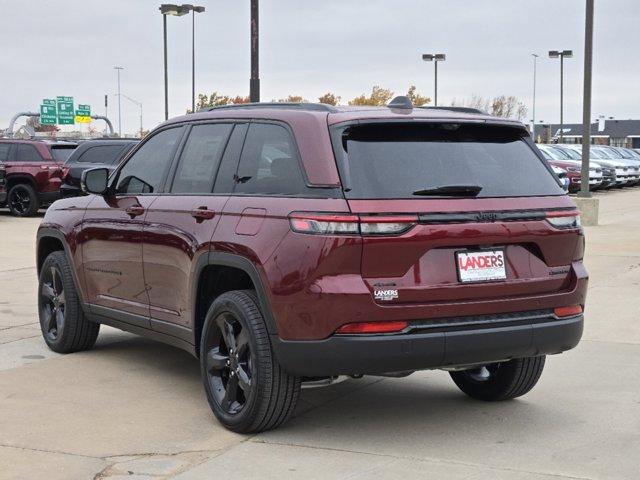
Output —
<point x="132" y="408"/>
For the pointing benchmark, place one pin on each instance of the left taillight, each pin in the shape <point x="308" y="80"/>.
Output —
<point x="564" y="219"/>
<point x="341" y="224"/>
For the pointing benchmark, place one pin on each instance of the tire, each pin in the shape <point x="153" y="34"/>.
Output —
<point x="500" y="381"/>
<point x="64" y="326"/>
<point x="269" y="395"/>
<point x="22" y="200"/>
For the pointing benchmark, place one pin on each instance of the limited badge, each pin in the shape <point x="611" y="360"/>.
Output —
<point x="385" y="295"/>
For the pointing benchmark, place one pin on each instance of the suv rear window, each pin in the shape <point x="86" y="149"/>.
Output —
<point x="61" y="153"/>
<point x="101" y="154"/>
<point x="383" y="160"/>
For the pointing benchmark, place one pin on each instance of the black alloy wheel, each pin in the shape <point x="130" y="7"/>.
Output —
<point x="52" y="304"/>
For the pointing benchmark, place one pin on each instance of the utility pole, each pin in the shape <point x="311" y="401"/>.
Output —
<point x="586" y="113"/>
<point x="194" y="9"/>
<point x="254" y="83"/>
<point x="119" y="103"/>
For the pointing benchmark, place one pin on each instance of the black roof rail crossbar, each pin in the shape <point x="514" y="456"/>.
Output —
<point x="457" y="109"/>
<point x="318" y="107"/>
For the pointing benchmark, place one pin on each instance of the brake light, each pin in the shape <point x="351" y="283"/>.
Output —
<point x="564" y="219"/>
<point x="570" y="311"/>
<point x="372" y="327"/>
<point x="345" y="224"/>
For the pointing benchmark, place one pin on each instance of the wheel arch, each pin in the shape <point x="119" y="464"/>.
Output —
<point x="13" y="180"/>
<point x="220" y="272"/>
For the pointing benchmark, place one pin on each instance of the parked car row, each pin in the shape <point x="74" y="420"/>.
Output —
<point x="36" y="173"/>
<point x="608" y="166"/>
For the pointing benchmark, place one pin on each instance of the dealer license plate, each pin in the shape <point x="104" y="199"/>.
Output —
<point x="481" y="265"/>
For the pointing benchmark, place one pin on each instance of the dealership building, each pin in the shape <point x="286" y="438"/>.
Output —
<point x="617" y="133"/>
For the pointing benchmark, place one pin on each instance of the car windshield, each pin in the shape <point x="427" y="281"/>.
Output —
<point x="62" y="152"/>
<point x="571" y="153"/>
<point x="401" y="160"/>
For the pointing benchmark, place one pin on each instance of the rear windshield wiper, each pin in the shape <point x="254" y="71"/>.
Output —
<point x="451" y="190"/>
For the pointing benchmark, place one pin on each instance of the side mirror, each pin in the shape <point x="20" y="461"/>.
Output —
<point x="95" y="181"/>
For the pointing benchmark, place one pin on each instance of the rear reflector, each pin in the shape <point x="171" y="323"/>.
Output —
<point x="570" y="311"/>
<point x="372" y="327"/>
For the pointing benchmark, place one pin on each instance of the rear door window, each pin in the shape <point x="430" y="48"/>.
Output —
<point x="200" y="158"/>
<point x="61" y="153"/>
<point x="27" y="153"/>
<point x="269" y="163"/>
<point x="401" y="160"/>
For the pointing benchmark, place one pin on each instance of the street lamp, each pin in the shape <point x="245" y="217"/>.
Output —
<point x="435" y="58"/>
<point x="194" y="9"/>
<point x="561" y="54"/>
<point x="119" y="102"/>
<point x="176" y="11"/>
<point x="139" y="104"/>
<point x="533" y="118"/>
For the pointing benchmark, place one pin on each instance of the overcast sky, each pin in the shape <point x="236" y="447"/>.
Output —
<point x="308" y="48"/>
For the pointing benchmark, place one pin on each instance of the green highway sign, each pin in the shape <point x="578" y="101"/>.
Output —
<point x="48" y="112"/>
<point x="83" y="114"/>
<point x="65" y="110"/>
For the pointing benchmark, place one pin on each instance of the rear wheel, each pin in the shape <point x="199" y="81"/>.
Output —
<point x="246" y="388"/>
<point x="500" y="381"/>
<point x="23" y="200"/>
<point x="63" y="325"/>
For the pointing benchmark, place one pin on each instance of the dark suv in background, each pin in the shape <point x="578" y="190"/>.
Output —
<point x="91" y="154"/>
<point x="34" y="170"/>
<point x="290" y="243"/>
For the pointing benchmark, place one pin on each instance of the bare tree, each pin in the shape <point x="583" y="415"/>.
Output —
<point x="501" y="106"/>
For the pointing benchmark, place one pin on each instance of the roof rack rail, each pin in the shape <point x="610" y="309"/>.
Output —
<point x="318" y="107"/>
<point x="457" y="109"/>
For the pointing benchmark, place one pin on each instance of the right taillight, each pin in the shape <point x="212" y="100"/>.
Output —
<point x="564" y="219"/>
<point x="346" y="224"/>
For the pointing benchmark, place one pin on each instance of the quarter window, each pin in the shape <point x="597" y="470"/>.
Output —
<point x="200" y="158"/>
<point x="101" y="154"/>
<point x="145" y="170"/>
<point x="269" y="163"/>
<point x="5" y="148"/>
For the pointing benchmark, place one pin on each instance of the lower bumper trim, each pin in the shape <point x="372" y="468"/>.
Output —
<point x="375" y="354"/>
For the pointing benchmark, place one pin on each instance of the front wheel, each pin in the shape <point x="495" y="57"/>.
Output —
<point x="500" y="381"/>
<point x="246" y="387"/>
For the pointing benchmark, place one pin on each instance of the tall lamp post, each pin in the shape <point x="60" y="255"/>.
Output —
<point x="139" y="104"/>
<point x="254" y="83"/>
<point x="194" y="9"/>
<point x="176" y="11"/>
<point x="561" y="54"/>
<point x="435" y="58"/>
<point x="586" y="113"/>
<point x="119" y="102"/>
<point x="533" y="114"/>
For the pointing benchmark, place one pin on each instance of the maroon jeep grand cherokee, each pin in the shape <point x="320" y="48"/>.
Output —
<point x="293" y="243"/>
<point x="34" y="171"/>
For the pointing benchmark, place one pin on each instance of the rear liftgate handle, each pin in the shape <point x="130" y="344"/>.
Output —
<point x="202" y="213"/>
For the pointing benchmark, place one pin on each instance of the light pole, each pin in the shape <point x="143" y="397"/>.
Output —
<point x="194" y="9"/>
<point x="586" y="113"/>
<point x="119" y="103"/>
<point x="561" y="54"/>
<point x="176" y="11"/>
<point x="254" y="83"/>
<point x="533" y="121"/>
<point x="435" y="58"/>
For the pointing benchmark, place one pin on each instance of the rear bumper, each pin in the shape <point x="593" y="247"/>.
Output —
<point x="49" y="197"/>
<point x="436" y="345"/>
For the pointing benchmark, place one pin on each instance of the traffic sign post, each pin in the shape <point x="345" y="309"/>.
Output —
<point x="48" y="112"/>
<point x="65" y="110"/>
<point x="83" y="114"/>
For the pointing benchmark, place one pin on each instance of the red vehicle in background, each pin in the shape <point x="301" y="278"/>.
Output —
<point x="33" y="173"/>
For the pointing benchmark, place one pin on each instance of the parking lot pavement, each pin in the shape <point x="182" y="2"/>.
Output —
<point x="132" y="408"/>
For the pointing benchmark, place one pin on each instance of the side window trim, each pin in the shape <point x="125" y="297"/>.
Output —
<point x="133" y="151"/>
<point x="236" y="125"/>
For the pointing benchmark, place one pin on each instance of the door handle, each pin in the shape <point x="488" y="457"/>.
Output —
<point x="202" y="213"/>
<point x="134" y="211"/>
